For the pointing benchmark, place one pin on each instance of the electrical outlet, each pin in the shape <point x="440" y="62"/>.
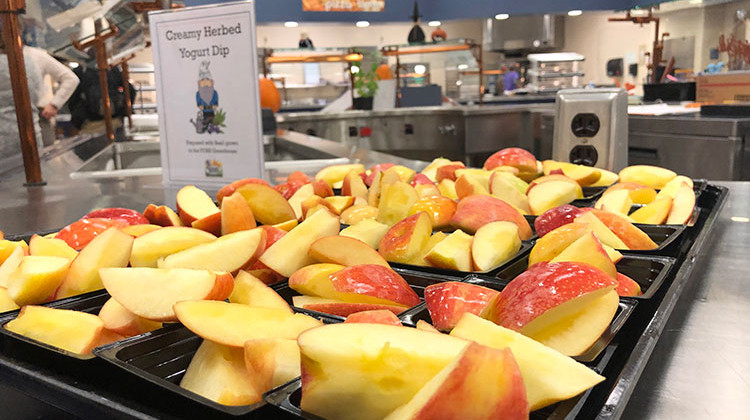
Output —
<point x="585" y="125"/>
<point x="584" y="155"/>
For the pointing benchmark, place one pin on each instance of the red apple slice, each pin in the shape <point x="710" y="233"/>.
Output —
<point x="194" y="204"/>
<point x="478" y="210"/>
<point x="36" y="279"/>
<point x="148" y="248"/>
<point x="121" y="321"/>
<point x="448" y="301"/>
<point x="553" y="243"/>
<point x="494" y="244"/>
<point x="236" y="215"/>
<point x="633" y="237"/>
<point x="268" y="206"/>
<point x="377" y="316"/>
<point x="162" y="216"/>
<point x="405" y="240"/>
<point x="249" y="290"/>
<point x="345" y="251"/>
<point x="587" y="249"/>
<point x="340" y="307"/>
<point x="682" y="206"/>
<point x="228" y="253"/>
<point x="272" y="361"/>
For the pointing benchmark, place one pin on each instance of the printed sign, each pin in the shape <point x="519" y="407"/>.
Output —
<point x="206" y="71"/>
<point x="343" y="5"/>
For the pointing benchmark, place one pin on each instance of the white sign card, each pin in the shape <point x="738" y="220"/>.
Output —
<point x="206" y="70"/>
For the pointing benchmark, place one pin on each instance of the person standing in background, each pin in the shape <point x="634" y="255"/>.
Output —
<point x="305" y="41"/>
<point x="52" y="72"/>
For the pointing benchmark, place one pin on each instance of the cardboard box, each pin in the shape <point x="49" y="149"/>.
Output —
<point x="722" y="87"/>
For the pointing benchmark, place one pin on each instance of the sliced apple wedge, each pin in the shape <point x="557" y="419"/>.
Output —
<point x="426" y="326"/>
<point x="602" y="232"/>
<point x="608" y="178"/>
<point x="504" y="189"/>
<point x="74" y="331"/>
<point x="395" y="202"/>
<point x="233" y="324"/>
<point x="548" y="375"/>
<point x="618" y="201"/>
<point x="453" y="252"/>
<point x="340" y="307"/>
<point x="194" y="204"/>
<point x="633" y="237"/>
<point x="494" y="243"/>
<point x="650" y="176"/>
<point x="476" y="211"/>
<point x="52" y="247"/>
<point x="336" y="173"/>
<point x="148" y="248"/>
<point x="236" y="215"/>
<point x="121" y="321"/>
<point x="368" y="231"/>
<point x="353" y="185"/>
<point x="374" y="316"/>
<point x="272" y="361"/>
<point x="218" y="373"/>
<point x="546" y="195"/>
<point x="6" y="303"/>
<point x="162" y="216"/>
<point x="36" y="278"/>
<point x="10" y="265"/>
<point x="469" y="184"/>
<point x="151" y="292"/>
<point x="268" y="205"/>
<point x="554" y="242"/>
<point x="357" y="213"/>
<point x="289" y="253"/>
<point x="405" y="241"/>
<point x="111" y="248"/>
<point x="654" y="213"/>
<point x="587" y="249"/>
<point x="448" y="301"/>
<point x="345" y="251"/>
<point x="303" y="193"/>
<point x="682" y="206"/>
<point x="249" y="290"/>
<point x="583" y="175"/>
<point x="228" y="253"/>
<point x="140" y="230"/>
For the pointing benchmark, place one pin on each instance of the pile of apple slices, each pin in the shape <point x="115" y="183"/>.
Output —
<point x="673" y="204"/>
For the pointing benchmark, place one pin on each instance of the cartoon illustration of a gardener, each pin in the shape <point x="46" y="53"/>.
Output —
<point x="209" y="118"/>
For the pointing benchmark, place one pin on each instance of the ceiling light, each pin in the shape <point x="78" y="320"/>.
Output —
<point x="420" y="69"/>
<point x="291" y="24"/>
<point x="434" y="23"/>
<point x="502" y="16"/>
<point x="362" y="24"/>
<point x="355" y="69"/>
<point x="575" y="13"/>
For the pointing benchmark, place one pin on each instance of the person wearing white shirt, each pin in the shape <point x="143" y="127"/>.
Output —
<point x="53" y="72"/>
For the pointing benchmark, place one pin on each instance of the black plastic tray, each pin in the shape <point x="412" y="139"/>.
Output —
<point x="162" y="357"/>
<point x="523" y="251"/>
<point x="90" y="302"/>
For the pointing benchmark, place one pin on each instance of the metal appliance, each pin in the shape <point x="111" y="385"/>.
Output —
<point x="591" y="128"/>
<point x="524" y="33"/>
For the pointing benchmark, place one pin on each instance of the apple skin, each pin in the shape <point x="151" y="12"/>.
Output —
<point x="448" y="171"/>
<point x="476" y="211"/>
<point x="448" y="301"/>
<point x="229" y="189"/>
<point x="512" y="156"/>
<point x="439" y="208"/>
<point x="379" y="167"/>
<point x="627" y="286"/>
<point x="405" y="240"/>
<point x="375" y="280"/>
<point x="542" y="287"/>
<point x="420" y="179"/>
<point x="131" y="216"/>
<point x="378" y="316"/>
<point x="79" y="233"/>
<point x="555" y="217"/>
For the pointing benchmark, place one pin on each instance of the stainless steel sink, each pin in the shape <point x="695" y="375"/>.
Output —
<point x="143" y="158"/>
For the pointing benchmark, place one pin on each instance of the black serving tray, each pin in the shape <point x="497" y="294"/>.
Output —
<point x="90" y="302"/>
<point x="161" y="357"/>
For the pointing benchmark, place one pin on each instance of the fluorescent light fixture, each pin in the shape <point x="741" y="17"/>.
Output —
<point x="434" y="23"/>
<point x="502" y="16"/>
<point x="291" y="24"/>
<point x="740" y="219"/>
<point x="575" y="13"/>
<point x="355" y="69"/>
<point x="362" y="24"/>
<point x="463" y="66"/>
<point x="420" y="69"/>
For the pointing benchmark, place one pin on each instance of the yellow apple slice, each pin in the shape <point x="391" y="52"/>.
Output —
<point x="453" y="252"/>
<point x="6" y="303"/>
<point x="340" y="307"/>
<point x="148" y="248"/>
<point x="336" y="173"/>
<point x="111" y="248"/>
<point x="268" y="205"/>
<point x="272" y="361"/>
<point x="357" y="213"/>
<point x="650" y="176"/>
<point x="121" y="321"/>
<point x="233" y="324"/>
<point x="368" y="231"/>
<point x="431" y="170"/>
<point x="346" y="251"/>
<point x="504" y="189"/>
<point x="289" y="253"/>
<point x="303" y="193"/>
<point x="140" y="230"/>
<point x="618" y="201"/>
<point x="671" y="187"/>
<point x="340" y="203"/>
<point x="546" y="195"/>
<point x="468" y="185"/>
<point x="587" y="249"/>
<point x="404" y="242"/>
<point x="249" y="290"/>
<point x="654" y="213"/>
<point x="218" y="373"/>
<point x="608" y="178"/>
<point x="7" y="247"/>
<point x="682" y="206"/>
<point x="447" y="188"/>
<point x="426" y="326"/>
<point x="151" y="292"/>
<point x="613" y="254"/>
<point x="363" y="367"/>
<point x="236" y="214"/>
<point x="288" y="225"/>
<point x="494" y="243"/>
<point x="74" y="331"/>
<point x="194" y="204"/>
<point x="548" y="375"/>
<point x="554" y="242"/>
<point x="583" y="175"/>
<point x="602" y="232"/>
<point x="354" y="186"/>
<point x="52" y="247"/>
<point x="228" y="253"/>
<point x="36" y="278"/>
<point x="10" y="264"/>
<point x="395" y="202"/>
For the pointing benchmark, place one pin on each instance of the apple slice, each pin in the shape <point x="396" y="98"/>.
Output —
<point x="618" y="201"/>
<point x="286" y="226"/>
<point x="228" y="253"/>
<point x="6" y="302"/>
<point x="272" y="361"/>
<point x="504" y="189"/>
<point x="583" y="175"/>
<point x="233" y="324"/>
<point x="430" y="171"/>
<point x="640" y="194"/>
<point x="267" y="204"/>
<point x="162" y="216"/>
<point x="151" y="292"/>
<point x="302" y="194"/>
<point x="345" y="251"/>
<point x="395" y="202"/>
<point x="481" y="383"/>
<point x="74" y="331"/>
<point x="553" y="243"/>
<point x="547" y="375"/>
<point x="365" y="371"/>
<point x="218" y="373"/>
<point x="547" y="195"/>
<point x="194" y="204"/>
<point x="368" y="231"/>
<point x="10" y="264"/>
<point x="340" y="203"/>
<point x="633" y="237"/>
<point x="557" y="177"/>
<point x="340" y="307"/>
<point x="236" y="215"/>
<point x="516" y="157"/>
<point x="139" y="230"/>
<point x="121" y="321"/>
<point x="650" y="176"/>
<point x="8" y="247"/>
<point x="448" y="301"/>
<point x="627" y="286"/>
<point x="654" y="213"/>
<point x="230" y="189"/>
<point x="439" y="208"/>
<point x="613" y="254"/>
<point x="671" y="187"/>
<point x="426" y="326"/>
<point x="289" y="253"/>
<point x="555" y="217"/>
<point x="453" y="252"/>
<point x="476" y="211"/>
<point x="354" y="185"/>
<point x="249" y="290"/>
<point x="110" y="249"/>
<point x="405" y="240"/>
<point x="602" y="232"/>
<point x="447" y="188"/>
<point x="608" y="178"/>
<point x="682" y="206"/>
<point x="376" y="316"/>
<point x="336" y="173"/>
<point x="315" y="203"/>
<point x="494" y="244"/>
<point x="52" y="247"/>
<point x="357" y="213"/>
<point x="148" y="248"/>
<point x="210" y="224"/>
<point x="36" y="278"/>
<point x="468" y="185"/>
<point x="587" y="249"/>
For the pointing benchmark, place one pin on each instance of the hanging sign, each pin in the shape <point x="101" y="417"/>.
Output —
<point x="343" y="5"/>
<point x="206" y="70"/>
